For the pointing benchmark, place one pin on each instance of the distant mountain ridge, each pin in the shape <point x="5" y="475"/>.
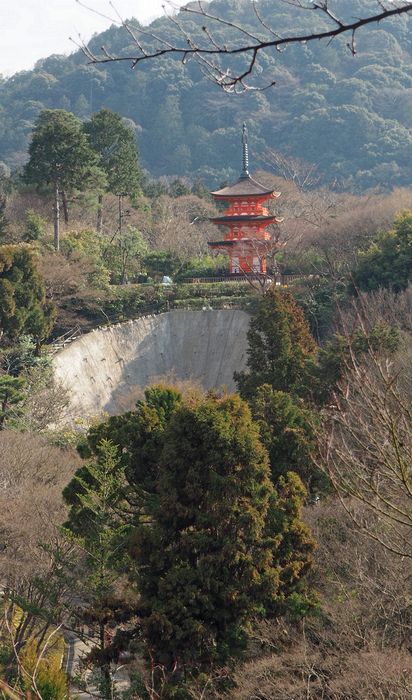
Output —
<point x="351" y="117"/>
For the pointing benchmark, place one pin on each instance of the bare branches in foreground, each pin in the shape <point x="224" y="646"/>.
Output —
<point x="214" y="53"/>
<point x="367" y="448"/>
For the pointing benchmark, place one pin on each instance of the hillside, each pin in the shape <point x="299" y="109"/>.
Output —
<point x="350" y="116"/>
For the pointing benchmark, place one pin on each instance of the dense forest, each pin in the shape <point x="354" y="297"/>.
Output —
<point x="348" y="116"/>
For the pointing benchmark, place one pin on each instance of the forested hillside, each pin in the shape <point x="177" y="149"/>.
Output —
<point x="350" y="116"/>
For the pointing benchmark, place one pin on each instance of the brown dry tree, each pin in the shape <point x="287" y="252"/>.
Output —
<point x="366" y="445"/>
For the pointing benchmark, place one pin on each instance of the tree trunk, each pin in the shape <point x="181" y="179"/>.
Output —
<point x="99" y="225"/>
<point x="65" y="207"/>
<point x="107" y="682"/>
<point x="56" y="217"/>
<point x="124" y="257"/>
<point x="4" y="407"/>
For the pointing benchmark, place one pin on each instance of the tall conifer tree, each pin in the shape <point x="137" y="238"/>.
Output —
<point x="115" y="146"/>
<point x="60" y="157"/>
<point x="214" y="553"/>
<point x="280" y="342"/>
<point x="23" y="305"/>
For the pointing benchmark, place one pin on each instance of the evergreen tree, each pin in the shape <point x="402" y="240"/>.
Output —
<point x="209" y="560"/>
<point x="336" y="355"/>
<point x="35" y="226"/>
<point x="287" y="431"/>
<point x="98" y="532"/>
<point x="280" y="343"/>
<point x="388" y="262"/>
<point x="11" y="395"/>
<point x="115" y="146"/>
<point x="294" y="547"/>
<point x="23" y="306"/>
<point x="213" y="541"/>
<point x="139" y="435"/>
<point x="60" y="157"/>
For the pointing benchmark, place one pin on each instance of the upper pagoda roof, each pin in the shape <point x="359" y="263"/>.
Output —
<point x="245" y="186"/>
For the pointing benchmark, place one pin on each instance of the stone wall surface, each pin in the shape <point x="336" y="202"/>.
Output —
<point x="106" y="370"/>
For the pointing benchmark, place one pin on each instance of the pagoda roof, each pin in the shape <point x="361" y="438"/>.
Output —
<point x="245" y="186"/>
<point x="242" y="218"/>
<point x="240" y="242"/>
<point x="229" y="242"/>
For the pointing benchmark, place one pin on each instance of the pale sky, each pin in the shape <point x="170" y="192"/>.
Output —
<point x="33" y="29"/>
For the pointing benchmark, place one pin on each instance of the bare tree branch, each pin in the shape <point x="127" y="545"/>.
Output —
<point x="367" y="441"/>
<point x="211" y="54"/>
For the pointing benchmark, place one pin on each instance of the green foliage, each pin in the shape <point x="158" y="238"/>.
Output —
<point x="159" y="263"/>
<point x="5" y="654"/>
<point x="22" y="356"/>
<point x="52" y="684"/>
<point x="203" y="266"/>
<point x="41" y="400"/>
<point x="214" y="542"/>
<point x="334" y="356"/>
<point x="205" y="565"/>
<point x="51" y="681"/>
<point x="214" y="554"/>
<point x="89" y="247"/>
<point x="59" y="153"/>
<point x="287" y="431"/>
<point x="320" y="299"/>
<point x="210" y="290"/>
<point x="11" y="395"/>
<point x="176" y="188"/>
<point x="388" y="261"/>
<point x="280" y="345"/>
<point x="351" y="118"/>
<point x="214" y="302"/>
<point x="23" y="306"/>
<point x="129" y="301"/>
<point x="114" y="143"/>
<point x="139" y="435"/>
<point x="5" y="188"/>
<point x="35" y="226"/>
<point x="125" y="255"/>
<point x="98" y="530"/>
<point x="94" y="524"/>
<point x="294" y="547"/>
<point x="138" y="688"/>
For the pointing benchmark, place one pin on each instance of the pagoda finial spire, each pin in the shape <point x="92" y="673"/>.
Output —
<point x="245" y="171"/>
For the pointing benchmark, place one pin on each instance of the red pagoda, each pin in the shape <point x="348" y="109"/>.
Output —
<point x="246" y="240"/>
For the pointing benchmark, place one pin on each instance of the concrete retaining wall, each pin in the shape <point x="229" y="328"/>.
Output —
<point x="104" y="370"/>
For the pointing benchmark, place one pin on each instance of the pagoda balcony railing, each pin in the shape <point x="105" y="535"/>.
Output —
<point x="278" y="278"/>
